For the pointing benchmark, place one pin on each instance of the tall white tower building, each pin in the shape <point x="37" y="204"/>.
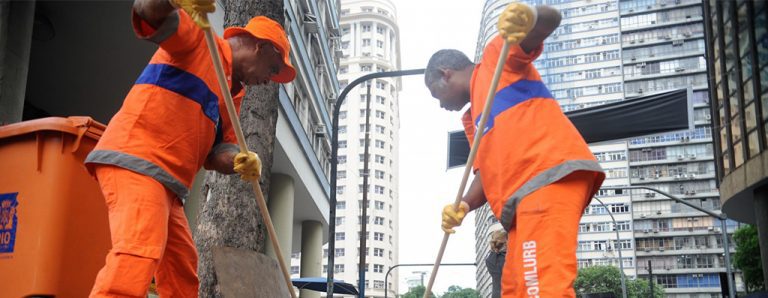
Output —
<point x="369" y="43"/>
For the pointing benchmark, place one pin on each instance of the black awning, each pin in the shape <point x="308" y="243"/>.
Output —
<point x="652" y="114"/>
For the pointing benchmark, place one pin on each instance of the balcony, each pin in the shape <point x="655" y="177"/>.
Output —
<point x="673" y="159"/>
<point x="659" y="5"/>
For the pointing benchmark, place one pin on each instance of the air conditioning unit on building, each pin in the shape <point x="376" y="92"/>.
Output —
<point x="656" y="231"/>
<point x="661" y="249"/>
<point x="692" y="156"/>
<point x="320" y="130"/>
<point x="658" y="212"/>
<point x="310" y="23"/>
<point x="680" y="69"/>
<point x="680" y="157"/>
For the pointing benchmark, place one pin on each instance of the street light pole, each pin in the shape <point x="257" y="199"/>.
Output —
<point x="334" y="164"/>
<point x="724" y="229"/>
<point x="386" y="276"/>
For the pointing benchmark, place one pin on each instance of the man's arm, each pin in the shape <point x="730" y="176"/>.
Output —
<point x="222" y="159"/>
<point x="153" y="12"/>
<point x="475" y="197"/>
<point x="546" y="22"/>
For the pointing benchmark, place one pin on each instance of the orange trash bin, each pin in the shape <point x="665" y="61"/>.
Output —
<point x="54" y="232"/>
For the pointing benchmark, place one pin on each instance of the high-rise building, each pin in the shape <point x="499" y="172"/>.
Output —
<point x="663" y="48"/>
<point x="369" y="43"/>
<point x="608" y="50"/>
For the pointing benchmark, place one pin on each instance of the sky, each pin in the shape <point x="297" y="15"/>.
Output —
<point x="425" y="184"/>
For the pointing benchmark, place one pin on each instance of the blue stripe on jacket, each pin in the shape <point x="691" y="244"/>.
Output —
<point x="184" y="83"/>
<point x="512" y="95"/>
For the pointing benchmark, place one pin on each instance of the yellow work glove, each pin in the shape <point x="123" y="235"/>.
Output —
<point x="248" y="165"/>
<point x="453" y="217"/>
<point x="516" y="21"/>
<point x="197" y="9"/>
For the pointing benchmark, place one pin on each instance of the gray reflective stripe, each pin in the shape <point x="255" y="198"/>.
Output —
<point x="543" y="179"/>
<point x="166" y="29"/>
<point x="140" y="166"/>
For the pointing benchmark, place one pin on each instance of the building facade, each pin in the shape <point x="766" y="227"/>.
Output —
<point x="368" y="43"/>
<point x="738" y="72"/>
<point x="37" y="82"/>
<point x="608" y="50"/>
<point x="663" y="49"/>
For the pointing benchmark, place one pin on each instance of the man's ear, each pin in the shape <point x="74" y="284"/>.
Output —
<point x="446" y="73"/>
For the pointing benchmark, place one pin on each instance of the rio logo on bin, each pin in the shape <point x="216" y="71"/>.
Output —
<point x="8" y="221"/>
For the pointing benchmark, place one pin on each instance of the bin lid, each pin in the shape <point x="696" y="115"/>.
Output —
<point x="78" y="126"/>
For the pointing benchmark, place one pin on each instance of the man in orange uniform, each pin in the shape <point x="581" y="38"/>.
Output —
<point x="532" y="167"/>
<point x="173" y="122"/>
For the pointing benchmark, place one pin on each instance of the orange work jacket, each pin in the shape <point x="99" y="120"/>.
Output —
<point x="174" y="114"/>
<point x="528" y="142"/>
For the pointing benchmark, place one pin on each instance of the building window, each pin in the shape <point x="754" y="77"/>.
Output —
<point x="343" y="129"/>
<point x="342" y="159"/>
<point x="380" y="129"/>
<point x="379" y="144"/>
<point x="339" y="220"/>
<point x="294" y="269"/>
<point x="344" y="69"/>
<point x="379" y="159"/>
<point x="366" y="27"/>
<point x="378" y="189"/>
<point x="367" y="234"/>
<point x="379" y="205"/>
<point x="342" y="144"/>
<point x="340" y="236"/>
<point x="338" y="268"/>
<point x="378" y="252"/>
<point x="378" y="269"/>
<point x="380" y="44"/>
<point x="360" y="188"/>
<point x="341" y="205"/>
<point x="339" y="252"/>
<point x="379" y="174"/>
<point x="366" y="67"/>
<point x="378" y="236"/>
<point x="378" y="220"/>
<point x="381" y="99"/>
<point x="340" y="189"/>
<point x="366" y="42"/>
<point x="380" y="114"/>
<point x="381" y="85"/>
<point x="379" y="29"/>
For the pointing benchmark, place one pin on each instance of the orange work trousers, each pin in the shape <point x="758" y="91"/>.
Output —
<point x="150" y="237"/>
<point x="541" y="248"/>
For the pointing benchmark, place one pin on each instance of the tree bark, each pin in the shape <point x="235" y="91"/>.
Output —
<point x="229" y="215"/>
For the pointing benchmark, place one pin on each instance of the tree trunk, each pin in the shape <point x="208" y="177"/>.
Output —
<point x="229" y="215"/>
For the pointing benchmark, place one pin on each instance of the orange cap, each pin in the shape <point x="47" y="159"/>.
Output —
<point x="265" y="28"/>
